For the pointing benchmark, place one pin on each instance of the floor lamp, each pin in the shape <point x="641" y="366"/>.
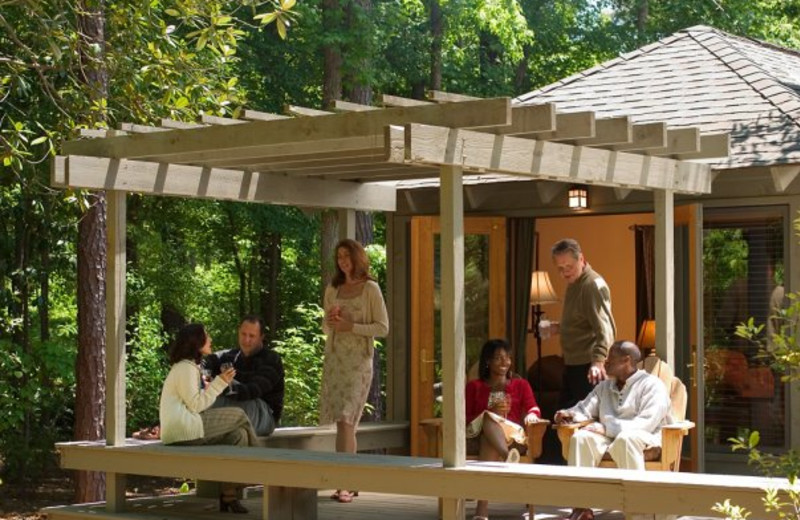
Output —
<point x="542" y="293"/>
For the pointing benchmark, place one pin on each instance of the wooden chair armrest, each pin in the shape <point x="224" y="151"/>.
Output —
<point x="535" y="432"/>
<point x="573" y="426"/>
<point x="565" y="433"/>
<point x="683" y="426"/>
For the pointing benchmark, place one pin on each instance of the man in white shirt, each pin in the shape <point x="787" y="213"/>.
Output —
<point x="627" y="412"/>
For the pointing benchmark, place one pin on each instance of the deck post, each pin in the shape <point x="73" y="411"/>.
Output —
<point x="453" y="355"/>
<point x="665" y="275"/>
<point x="115" y="340"/>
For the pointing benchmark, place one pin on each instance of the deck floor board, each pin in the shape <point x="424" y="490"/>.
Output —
<point x="367" y="506"/>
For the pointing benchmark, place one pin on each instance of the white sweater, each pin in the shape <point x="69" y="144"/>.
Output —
<point x="642" y="404"/>
<point x="182" y="400"/>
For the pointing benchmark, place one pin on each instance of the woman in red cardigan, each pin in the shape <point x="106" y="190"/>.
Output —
<point x="498" y="405"/>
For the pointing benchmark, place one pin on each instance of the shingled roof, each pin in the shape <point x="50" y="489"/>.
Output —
<point x="700" y="77"/>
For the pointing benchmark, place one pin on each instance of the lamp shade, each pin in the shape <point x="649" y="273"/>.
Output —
<point x="541" y="289"/>
<point x="647" y="335"/>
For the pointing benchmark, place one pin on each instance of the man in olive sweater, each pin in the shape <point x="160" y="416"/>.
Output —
<point x="258" y="387"/>
<point x="587" y="326"/>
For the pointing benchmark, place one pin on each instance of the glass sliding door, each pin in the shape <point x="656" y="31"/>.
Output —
<point x="744" y="264"/>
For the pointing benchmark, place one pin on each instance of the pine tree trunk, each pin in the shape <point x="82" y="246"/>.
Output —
<point x="437" y="31"/>
<point x="271" y="265"/>
<point x="90" y="369"/>
<point x="332" y="16"/>
<point x="358" y="14"/>
<point x="329" y="230"/>
<point x="90" y="366"/>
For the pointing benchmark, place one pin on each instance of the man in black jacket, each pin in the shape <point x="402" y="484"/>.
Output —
<point x="259" y="383"/>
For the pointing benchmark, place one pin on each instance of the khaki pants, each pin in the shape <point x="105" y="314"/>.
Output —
<point x="627" y="449"/>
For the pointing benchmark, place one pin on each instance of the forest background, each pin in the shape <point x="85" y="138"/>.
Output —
<point x="67" y="66"/>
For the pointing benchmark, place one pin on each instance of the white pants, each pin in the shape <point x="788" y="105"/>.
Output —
<point x="627" y="449"/>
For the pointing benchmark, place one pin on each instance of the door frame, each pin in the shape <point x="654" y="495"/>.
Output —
<point x="422" y="313"/>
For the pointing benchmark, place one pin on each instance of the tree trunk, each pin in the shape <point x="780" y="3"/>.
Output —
<point x="271" y="265"/>
<point x="332" y="53"/>
<point x="358" y="14"/>
<point x="437" y="32"/>
<point x="237" y="261"/>
<point x="521" y="82"/>
<point x="364" y="228"/>
<point x="642" y="13"/>
<point x="90" y="366"/>
<point x="92" y="257"/>
<point x="329" y="230"/>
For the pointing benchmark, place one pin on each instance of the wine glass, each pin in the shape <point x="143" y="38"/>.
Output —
<point x="224" y="368"/>
<point x="496" y="397"/>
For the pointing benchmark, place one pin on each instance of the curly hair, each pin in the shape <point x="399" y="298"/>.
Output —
<point x="487" y="353"/>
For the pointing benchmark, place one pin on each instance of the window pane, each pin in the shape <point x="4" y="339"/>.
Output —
<point x="743" y="261"/>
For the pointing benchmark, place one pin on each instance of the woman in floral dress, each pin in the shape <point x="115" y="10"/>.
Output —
<point x="355" y="314"/>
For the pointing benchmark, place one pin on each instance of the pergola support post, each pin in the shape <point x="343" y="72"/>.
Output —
<point x="115" y="340"/>
<point x="665" y="275"/>
<point x="453" y="355"/>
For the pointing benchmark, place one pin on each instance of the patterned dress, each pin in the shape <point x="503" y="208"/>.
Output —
<point x="347" y="369"/>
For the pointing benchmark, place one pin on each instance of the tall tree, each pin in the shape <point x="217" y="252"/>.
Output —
<point x="91" y="362"/>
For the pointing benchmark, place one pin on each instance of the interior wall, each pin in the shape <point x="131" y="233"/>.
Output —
<point x="608" y="244"/>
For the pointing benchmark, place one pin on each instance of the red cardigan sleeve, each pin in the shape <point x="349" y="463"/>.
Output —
<point x="476" y="397"/>
<point x="523" y="400"/>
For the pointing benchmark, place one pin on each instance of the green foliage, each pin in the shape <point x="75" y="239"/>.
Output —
<point x="146" y="369"/>
<point x="301" y="348"/>
<point x="36" y="388"/>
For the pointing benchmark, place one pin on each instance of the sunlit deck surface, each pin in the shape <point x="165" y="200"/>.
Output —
<point x="367" y="506"/>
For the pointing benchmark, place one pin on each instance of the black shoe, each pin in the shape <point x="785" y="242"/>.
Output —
<point x="232" y="505"/>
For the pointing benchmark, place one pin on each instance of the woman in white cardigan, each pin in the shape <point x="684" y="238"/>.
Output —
<point x="186" y="416"/>
<point x="355" y="314"/>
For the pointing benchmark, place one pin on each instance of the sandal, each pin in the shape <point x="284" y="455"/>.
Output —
<point x="152" y="433"/>
<point x="345" y="497"/>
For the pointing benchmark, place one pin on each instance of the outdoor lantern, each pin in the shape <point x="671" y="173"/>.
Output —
<point x="578" y="197"/>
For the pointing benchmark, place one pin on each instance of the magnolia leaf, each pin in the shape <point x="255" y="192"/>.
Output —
<point x="267" y="18"/>
<point x="39" y="140"/>
<point x="172" y="12"/>
<point x="287" y="4"/>
<point x="281" y="30"/>
<point x="182" y="102"/>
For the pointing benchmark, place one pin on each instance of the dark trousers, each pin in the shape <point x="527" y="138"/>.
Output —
<point x="575" y="385"/>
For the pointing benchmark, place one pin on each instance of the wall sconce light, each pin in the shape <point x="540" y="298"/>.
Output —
<point x="578" y="197"/>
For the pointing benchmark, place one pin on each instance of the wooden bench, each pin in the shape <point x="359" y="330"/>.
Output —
<point x="371" y="436"/>
<point x="290" y="478"/>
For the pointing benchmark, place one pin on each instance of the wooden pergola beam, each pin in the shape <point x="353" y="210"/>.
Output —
<point x="608" y="131"/>
<point x="647" y="135"/>
<point x="347" y="106"/>
<point x="101" y="173"/>
<point x="679" y="140"/>
<point x="547" y="160"/>
<point x="712" y="146"/>
<point x="165" y="146"/>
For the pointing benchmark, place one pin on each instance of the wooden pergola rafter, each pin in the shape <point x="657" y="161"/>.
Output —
<point x="346" y="160"/>
<point x="410" y="139"/>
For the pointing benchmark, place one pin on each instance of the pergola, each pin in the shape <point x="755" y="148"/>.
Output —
<point x="353" y="159"/>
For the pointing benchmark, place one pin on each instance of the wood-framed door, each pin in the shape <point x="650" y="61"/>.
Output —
<point x="485" y="260"/>
<point x="689" y="357"/>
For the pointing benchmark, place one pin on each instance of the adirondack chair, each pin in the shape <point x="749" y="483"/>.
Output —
<point x="668" y="456"/>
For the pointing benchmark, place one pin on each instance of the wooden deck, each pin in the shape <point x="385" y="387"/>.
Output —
<point x="368" y="506"/>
